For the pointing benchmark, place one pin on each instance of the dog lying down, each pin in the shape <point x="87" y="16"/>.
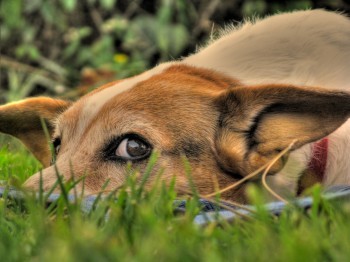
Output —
<point x="231" y="108"/>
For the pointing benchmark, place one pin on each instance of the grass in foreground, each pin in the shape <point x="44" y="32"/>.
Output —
<point x="141" y="226"/>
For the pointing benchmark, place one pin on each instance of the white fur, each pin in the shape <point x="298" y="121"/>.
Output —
<point x="302" y="48"/>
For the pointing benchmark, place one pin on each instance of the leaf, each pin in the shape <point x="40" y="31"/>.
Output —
<point x="33" y="52"/>
<point x="71" y="49"/>
<point x="27" y="50"/>
<point x="142" y="35"/>
<point x="108" y="4"/>
<point x="32" y="6"/>
<point x="11" y="11"/>
<point x="301" y="4"/>
<point x="253" y="7"/>
<point x="69" y="5"/>
<point x="5" y="33"/>
<point x="171" y="40"/>
<point x="165" y="13"/>
<point x="48" y="12"/>
<point x="180" y="38"/>
<point x="99" y="53"/>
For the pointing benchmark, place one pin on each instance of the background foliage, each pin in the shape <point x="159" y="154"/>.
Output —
<point x="52" y="46"/>
<point x="64" y="48"/>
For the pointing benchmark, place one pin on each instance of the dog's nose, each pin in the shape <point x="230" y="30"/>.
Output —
<point x="47" y="180"/>
<point x="43" y="180"/>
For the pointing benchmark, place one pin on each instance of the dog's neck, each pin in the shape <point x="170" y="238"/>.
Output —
<point x="316" y="166"/>
<point x="338" y="157"/>
<point x="318" y="161"/>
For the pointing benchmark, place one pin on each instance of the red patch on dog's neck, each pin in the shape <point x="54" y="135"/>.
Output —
<point x="318" y="162"/>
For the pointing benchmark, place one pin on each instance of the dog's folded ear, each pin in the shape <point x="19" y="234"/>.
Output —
<point x="256" y="123"/>
<point x="23" y="120"/>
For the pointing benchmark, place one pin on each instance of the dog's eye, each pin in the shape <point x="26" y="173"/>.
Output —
<point x="57" y="145"/>
<point x="132" y="148"/>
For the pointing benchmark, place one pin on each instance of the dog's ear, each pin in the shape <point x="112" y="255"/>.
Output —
<point x="23" y="120"/>
<point x="256" y="123"/>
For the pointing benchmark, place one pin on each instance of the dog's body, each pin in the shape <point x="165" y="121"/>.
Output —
<point x="230" y="108"/>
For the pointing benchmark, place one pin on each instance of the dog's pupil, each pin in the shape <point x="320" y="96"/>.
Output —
<point x="136" y="148"/>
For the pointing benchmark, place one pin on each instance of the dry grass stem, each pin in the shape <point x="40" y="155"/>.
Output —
<point x="234" y="185"/>
<point x="272" y="162"/>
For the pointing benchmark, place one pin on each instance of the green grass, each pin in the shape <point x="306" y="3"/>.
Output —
<point x="141" y="226"/>
<point x="16" y="163"/>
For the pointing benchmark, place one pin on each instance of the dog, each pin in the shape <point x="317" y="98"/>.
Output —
<point x="229" y="109"/>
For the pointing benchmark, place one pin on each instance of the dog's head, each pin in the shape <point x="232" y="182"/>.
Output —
<point x="223" y="128"/>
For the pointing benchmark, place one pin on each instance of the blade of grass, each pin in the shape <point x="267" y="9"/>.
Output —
<point x="99" y="196"/>
<point x="148" y="171"/>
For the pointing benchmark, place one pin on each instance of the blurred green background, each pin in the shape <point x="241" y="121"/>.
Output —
<point x="67" y="47"/>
